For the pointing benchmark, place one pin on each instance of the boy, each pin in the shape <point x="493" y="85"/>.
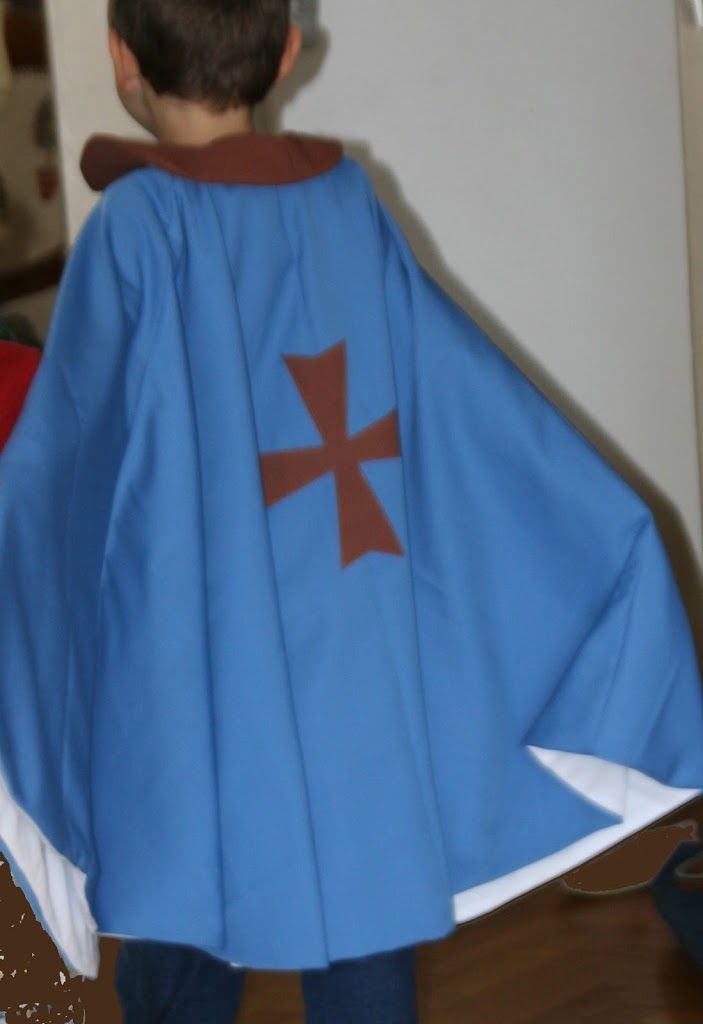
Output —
<point x="332" y="601"/>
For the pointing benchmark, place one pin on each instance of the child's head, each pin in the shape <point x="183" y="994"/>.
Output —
<point x="220" y="55"/>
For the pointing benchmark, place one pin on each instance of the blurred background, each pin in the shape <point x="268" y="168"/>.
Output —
<point x="32" y="226"/>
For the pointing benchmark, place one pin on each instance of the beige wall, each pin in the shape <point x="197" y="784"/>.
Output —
<point x="533" y="153"/>
<point x="691" y="65"/>
<point x="85" y="97"/>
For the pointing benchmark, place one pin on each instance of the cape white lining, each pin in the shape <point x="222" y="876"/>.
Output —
<point x="58" y="886"/>
<point x="638" y="799"/>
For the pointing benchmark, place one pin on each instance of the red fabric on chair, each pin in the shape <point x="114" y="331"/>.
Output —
<point x="18" y="364"/>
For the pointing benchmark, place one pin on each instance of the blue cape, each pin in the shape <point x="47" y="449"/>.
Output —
<point x="322" y="630"/>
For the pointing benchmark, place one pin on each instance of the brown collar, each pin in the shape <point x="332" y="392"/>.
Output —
<point x="248" y="159"/>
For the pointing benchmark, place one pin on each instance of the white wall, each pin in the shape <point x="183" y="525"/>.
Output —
<point x="533" y="153"/>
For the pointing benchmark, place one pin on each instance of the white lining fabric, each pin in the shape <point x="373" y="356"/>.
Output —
<point x="638" y="799"/>
<point x="58" y="886"/>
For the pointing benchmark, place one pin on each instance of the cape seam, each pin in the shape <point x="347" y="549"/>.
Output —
<point x="664" y="703"/>
<point x="527" y="737"/>
<point x="71" y="640"/>
<point x="656" y="716"/>
<point x="202" y="533"/>
<point x="49" y="360"/>
<point x="204" y="561"/>
<point x="64" y="380"/>
<point x="102" y="575"/>
<point x="379" y="215"/>
<point x="164" y="225"/>
<point x="295" y="256"/>
<point x="626" y="571"/>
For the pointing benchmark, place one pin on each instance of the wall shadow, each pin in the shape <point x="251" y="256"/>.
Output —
<point x="679" y="544"/>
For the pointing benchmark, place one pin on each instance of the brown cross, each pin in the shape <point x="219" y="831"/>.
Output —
<point x="363" y="524"/>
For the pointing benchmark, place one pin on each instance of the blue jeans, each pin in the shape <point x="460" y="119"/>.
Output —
<point x="160" y="983"/>
<point x="681" y="909"/>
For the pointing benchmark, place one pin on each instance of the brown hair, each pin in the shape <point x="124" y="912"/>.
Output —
<point x="225" y="53"/>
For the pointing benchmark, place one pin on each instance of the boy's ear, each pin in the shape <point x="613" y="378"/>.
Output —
<point x="127" y="72"/>
<point x="291" y="52"/>
<point x="129" y="82"/>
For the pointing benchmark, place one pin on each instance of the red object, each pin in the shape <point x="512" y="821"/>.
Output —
<point x="363" y="524"/>
<point x="47" y="182"/>
<point x="18" y="364"/>
<point x="247" y="158"/>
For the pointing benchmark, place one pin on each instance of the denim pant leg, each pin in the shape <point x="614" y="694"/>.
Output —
<point x="682" y="909"/>
<point x="378" y="989"/>
<point x="163" y="983"/>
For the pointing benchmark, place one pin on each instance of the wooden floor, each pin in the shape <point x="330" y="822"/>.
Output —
<point x="550" y="958"/>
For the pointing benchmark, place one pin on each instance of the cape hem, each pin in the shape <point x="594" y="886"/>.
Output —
<point x="53" y="885"/>
<point x="636" y="798"/>
<point x="56" y="888"/>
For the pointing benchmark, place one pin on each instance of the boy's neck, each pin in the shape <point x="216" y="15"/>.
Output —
<point x="191" y="124"/>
